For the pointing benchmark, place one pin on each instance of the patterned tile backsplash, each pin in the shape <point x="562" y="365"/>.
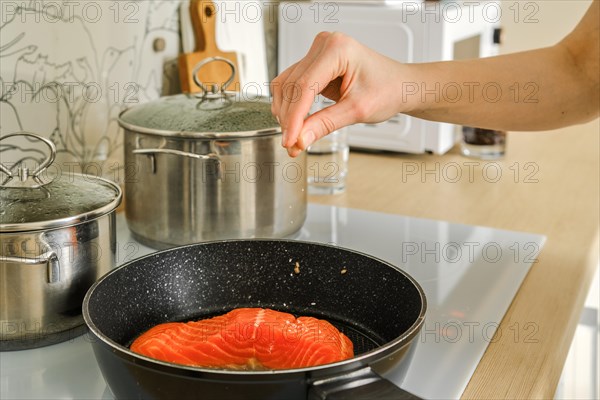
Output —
<point x="68" y="68"/>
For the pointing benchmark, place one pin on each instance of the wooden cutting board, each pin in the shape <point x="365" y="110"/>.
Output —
<point x="204" y="21"/>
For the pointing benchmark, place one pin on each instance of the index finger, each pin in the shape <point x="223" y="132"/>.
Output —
<point x="288" y="90"/>
<point x="315" y="78"/>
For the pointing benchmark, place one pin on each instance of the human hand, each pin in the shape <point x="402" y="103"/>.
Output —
<point x="362" y="82"/>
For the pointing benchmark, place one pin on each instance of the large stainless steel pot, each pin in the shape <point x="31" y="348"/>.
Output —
<point x="210" y="166"/>
<point x="58" y="237"/>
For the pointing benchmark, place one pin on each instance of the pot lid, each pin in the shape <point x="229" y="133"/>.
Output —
<point x="32" y="201"/>
<point x="214" y="113"/>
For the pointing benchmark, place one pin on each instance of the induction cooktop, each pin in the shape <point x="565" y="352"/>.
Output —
<point x="470" y="275"/>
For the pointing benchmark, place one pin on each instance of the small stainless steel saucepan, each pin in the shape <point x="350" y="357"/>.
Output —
<point x="58" y="236"/>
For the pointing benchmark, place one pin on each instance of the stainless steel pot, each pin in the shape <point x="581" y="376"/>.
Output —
<point x="209" y="166"/>
<point x="58" y="237"/>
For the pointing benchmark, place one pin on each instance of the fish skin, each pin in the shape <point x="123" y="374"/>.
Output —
<point x="247" y="339"/>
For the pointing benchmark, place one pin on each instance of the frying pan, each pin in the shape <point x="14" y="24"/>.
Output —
<point x="378" y="306"/>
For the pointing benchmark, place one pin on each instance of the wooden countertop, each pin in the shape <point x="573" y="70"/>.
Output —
<point x="548" y="183"/>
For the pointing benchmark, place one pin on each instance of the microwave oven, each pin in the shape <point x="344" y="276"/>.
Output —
<point x="408" y="31"/>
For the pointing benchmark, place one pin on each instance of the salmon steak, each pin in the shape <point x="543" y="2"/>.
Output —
<point x="246" y="339"/>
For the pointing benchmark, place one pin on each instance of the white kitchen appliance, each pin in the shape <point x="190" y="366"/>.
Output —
<point x="408" y="31"/>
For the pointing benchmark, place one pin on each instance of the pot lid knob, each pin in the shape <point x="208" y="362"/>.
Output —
<point x="23" y="178"/>
<point x="214" y="89"/>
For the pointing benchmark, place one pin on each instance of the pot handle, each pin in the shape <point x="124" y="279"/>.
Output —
<point x="209" y="156"/>
<point x="49" y="258"/>
<point x="152" y="152"/>
<point x="363" y="384"/>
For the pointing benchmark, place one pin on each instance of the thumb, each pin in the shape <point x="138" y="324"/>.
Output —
<point x="324" y="122"/>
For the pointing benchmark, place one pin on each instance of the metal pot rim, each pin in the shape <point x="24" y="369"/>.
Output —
<point x="185" y="107"/>
<point x="70" y="220"/>
<point x="370" y="356"/>
<point x="197" y="135"/>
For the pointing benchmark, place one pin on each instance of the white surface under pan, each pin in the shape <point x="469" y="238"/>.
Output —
<point x="470" y="275"/>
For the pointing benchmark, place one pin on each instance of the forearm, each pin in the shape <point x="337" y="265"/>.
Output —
<point x="534" y="90"/>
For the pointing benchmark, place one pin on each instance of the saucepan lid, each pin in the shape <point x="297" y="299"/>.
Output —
<point x="214" y="113"/>
<point x="38" y="199"/>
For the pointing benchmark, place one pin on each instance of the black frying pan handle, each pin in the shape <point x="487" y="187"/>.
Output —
<point x="364" y="384"/>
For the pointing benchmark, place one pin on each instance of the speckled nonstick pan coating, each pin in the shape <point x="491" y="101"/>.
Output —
<point x="377" y="305"/>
